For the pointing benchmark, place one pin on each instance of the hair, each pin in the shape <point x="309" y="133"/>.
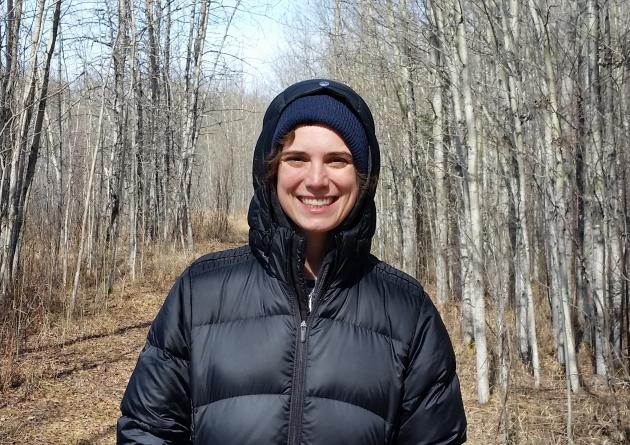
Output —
<point x="274" y="159"/>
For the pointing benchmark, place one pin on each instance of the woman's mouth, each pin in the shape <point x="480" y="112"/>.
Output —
<point x="317" y="202"/>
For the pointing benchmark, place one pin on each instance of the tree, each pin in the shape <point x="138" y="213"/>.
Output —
<point x="25" y="139"/>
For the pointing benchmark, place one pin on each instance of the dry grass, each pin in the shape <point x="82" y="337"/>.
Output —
<point x="600" y="413"/>
<point x="66" y="384"/>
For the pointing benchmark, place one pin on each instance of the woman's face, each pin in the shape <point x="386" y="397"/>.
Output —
<point x="317" y="182"/>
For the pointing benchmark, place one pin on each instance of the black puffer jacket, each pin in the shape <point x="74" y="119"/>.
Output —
<point x="230" y="359"/>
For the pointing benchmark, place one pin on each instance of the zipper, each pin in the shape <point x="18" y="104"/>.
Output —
<point x="302" y="331"/>
<point x="297" y="395"/>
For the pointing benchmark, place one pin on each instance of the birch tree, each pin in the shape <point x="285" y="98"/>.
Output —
<point x="25" y="140"/>
<point x="506" y="40"/>
<point x="465" y="132"/>
<point x="556" y="198"/>
<point x="440" y="170"/>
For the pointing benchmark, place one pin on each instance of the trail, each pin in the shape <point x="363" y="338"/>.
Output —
<point x="68" y="391"/>
<point x="70" y="378"/>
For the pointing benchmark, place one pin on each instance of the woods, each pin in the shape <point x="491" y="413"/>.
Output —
<point x="110" y="163"/>
<point x="510" y="103"/>
<point x="504" y="128"/>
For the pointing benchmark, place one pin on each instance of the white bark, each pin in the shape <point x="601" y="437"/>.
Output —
<point x="613" y="188"/>
<point x="474" y="170"/>
<point x="8" y="225"/>
<point x="461" y="154"/>
<point x="86" y="206"/>
<point x="556" y="193"/>
<point x="440" y="230"/>
<point x="595" y="197"/>
<point x="523" y="288"/>
<point x="470" y="163"/>
<point x="405" y="95"/>
<point x="25" y="149"/>
<point x="136" y="140"/>
<point x="410" y="250"/>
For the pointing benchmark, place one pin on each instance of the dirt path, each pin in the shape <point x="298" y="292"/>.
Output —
<point x="69" y="382"/>
<point x="68" y="392"/>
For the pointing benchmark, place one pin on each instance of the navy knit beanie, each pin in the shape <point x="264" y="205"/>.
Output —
<point x="328" y="111"/>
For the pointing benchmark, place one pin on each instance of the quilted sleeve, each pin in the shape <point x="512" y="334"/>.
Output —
<point x="156" y="407"/>
<point x="432" y="408"/>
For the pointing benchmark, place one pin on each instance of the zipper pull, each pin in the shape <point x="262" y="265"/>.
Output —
<point x="303" y="331"/>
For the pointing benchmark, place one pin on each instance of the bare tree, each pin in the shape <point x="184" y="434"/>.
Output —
<point x="25" y="141"/>
<point x="506" y="39"/>
<point x="556" y="198"/>
<point x="465" y="132"/>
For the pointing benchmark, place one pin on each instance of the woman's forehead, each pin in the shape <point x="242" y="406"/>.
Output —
<point x="316" y="136"/>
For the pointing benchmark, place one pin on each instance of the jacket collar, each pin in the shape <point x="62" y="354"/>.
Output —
<point x="273" y="240"/>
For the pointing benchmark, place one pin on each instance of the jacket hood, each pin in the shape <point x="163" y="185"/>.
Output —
<point x="272" y="237"/>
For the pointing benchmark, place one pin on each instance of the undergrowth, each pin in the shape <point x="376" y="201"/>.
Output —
<point x="39" y="300"/>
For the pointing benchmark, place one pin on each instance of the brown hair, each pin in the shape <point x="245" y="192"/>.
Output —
<point x="273" y="161"/>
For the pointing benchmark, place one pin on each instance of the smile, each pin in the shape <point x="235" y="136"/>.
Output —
<point x="317" y="202"/>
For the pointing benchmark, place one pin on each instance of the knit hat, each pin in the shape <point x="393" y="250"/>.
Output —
<point x="326" y="110"/>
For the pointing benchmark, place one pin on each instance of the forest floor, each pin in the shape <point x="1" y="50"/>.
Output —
<point x="67" y="384"/>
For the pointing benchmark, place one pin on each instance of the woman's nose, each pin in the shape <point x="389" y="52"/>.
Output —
<point x="316" y="176"/>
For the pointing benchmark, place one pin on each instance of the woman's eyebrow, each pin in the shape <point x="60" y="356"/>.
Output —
<point x="292" y="152"/>
<point x="340" y="153"/>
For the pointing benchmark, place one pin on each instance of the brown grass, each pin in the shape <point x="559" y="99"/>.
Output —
<point x="600" y="412"/>
<point x="65" y="385"/>
<point x="62" y="380"/>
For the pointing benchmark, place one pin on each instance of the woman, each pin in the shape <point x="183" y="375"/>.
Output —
<point x="301" y="337"/>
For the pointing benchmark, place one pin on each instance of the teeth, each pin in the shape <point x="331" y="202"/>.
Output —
<point x="317" y="201"/>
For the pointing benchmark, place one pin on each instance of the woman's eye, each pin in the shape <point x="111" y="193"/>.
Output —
<point x="294" y="161"/>
<point x="339" y="162"/>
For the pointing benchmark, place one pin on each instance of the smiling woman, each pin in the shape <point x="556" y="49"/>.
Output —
<point x="302" y="336"/>
<point x="317" y="181"/>
<point x="317" y="186"/>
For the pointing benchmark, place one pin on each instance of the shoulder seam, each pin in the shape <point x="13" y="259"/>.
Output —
<point x="219" y="259"/>
<point x="398" y="277"/>
<point x="223" y="254"/>
<point x="170" y="354"/>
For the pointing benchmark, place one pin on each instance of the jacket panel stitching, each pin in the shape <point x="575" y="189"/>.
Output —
<point x="144" y="426"/>
<point x="241" y="396"/>
<point x="235" y="256"/>
<point x="389" y="337"/>
<point x="257" y="317"/>
<point x="397" y="277"/>
<point x="243" y="250"/>
<point x="345" y="402"/>
<point x="170" y="354"/>
<point x="438" y="382"/>
<point x="217" y="263"/>
<point x="222" y="259"/>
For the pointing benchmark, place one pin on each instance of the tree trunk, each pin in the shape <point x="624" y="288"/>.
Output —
<point x="470" y="218"/>
<point x="524" y="297"/>
<point x="440" y="232"/>
<point x="24" y="156"/>
<point x="474" y="175"/>
<point x="86" y="206"/>
<point x="556" y="194"/>
<point x="595" y="197"/>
